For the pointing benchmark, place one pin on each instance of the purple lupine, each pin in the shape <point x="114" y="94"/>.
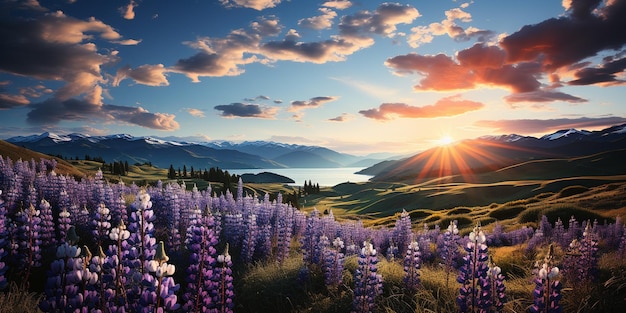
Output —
<point x="115" y="271"/>
<point x="449" y="248"/>
<point x="474" y="294"/>
<point x="233" y="228"/>
<point x="161" y="295"/>
<point x="559" y="234"/>
<point x="412" y="264"/>
<point x="283" y="241"/>
<point x="90" y="279"/>
<point x="223" y="294"/>
<point x="28" y="232"/>
<point x="402" y="232"/>
<point x="333" y="264"/>
<point x="101" y="224"/>
<point x="547" y="292"/>
<point x="64" y="224"/>
<point x="367" y="281"/>
<point x="310" y="238"/>
<point x="47" y="224"/>
<point x="201" y="245"/>
<point x="621" y="249"/>
<point x="61" y="290"/>
<point x="141" y="229"/>
<point x="4" y="241"/>
<point x="251" y="232"/>
<point x="498" y="289"/>
<point x="588" y="260"/>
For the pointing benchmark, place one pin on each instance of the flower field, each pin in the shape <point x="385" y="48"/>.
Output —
<point x="91" y="246"/>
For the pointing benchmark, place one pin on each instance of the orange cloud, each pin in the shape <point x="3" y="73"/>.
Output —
<point x="448" y="106"/>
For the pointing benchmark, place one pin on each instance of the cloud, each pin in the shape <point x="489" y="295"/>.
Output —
<point x="337" y="4"/>
<point x="127" y="11"/>
<point x="425" y="34"/>
<point x="150" y="75"/>
<point x="252" y="4"/>
<point x="589" y="28"/>
<point x="195" y="112"/>
<point x="323" y="21"/>
<point x="344" y="117"/>
<point x="247" y="110"/>
<point x="382" y="21"/>
<point x="311" y="103"/>
<point x="226" y="56"/>
<point x="8" y="101"/>
<point x="53" y="111"/>
<point x="605" y="74"/>
<point x="448" y="106"/>
<point x="68" y="45"/>
<point x="331" y="50"/>
<point x="537" y="126"/>
<point x="259" y="97"/>
<point x="479" y="65"/>
<point x="543" y="96"/>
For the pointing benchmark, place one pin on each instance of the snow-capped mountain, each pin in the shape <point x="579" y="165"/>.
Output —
<point x="163" y="153"/>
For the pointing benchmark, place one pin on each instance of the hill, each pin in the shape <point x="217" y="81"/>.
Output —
<point x="491" y="153"/>
<point x="16" y="153"/>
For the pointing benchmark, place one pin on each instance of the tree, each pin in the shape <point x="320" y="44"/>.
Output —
<point x="171" y="174"/>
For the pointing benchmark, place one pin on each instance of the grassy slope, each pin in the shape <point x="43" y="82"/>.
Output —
<point x="536" y="184"/>
<point x="15" y="153"/>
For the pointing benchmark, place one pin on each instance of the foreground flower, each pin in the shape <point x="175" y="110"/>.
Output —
<point x="368" y="284"/>
<point x="547" y="293"/>
<point x="474" y="294"/>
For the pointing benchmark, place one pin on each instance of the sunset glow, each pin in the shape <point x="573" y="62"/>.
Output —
<point x="356" y="77"/>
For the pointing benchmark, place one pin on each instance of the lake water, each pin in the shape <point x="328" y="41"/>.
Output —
<point x="322" y="176"/>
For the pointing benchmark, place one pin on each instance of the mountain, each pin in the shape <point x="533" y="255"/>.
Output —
<point x="284" y="154"/>
<point x="123" y="147"/>
<point x="163" y="153"/>
<point x="491" y="153"/>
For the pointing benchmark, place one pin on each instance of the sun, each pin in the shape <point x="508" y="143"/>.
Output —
<point x="445" y="140"/>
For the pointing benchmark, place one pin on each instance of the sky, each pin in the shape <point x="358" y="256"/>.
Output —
<point x="357" y="77"/>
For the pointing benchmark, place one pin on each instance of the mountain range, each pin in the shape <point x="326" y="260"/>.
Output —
<point x="492" y="153"/>
<point x="466" y="157"/>
<point x="163" y="153"/>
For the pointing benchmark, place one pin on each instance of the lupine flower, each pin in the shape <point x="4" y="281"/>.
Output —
<point x="101" y="223"/>
<point x="28" y="245"/>
<point x="588" y="261"/>
<point x="64" y="276"/>
<point x="412" y="264"/>
<point x="475" y="292"/>
<point x="449" y="248"/>
<point x="332" y="264"/>
<point x="498" y="290"/>
<point x="47" y="224"/>
<point x="547" y="293"/>
<point x="163" y="288"/>
<point x="224" y="294"/>
<point x="201" y="245"/>
<point x="251" y="232"/>
<point x="284" y="226"/>
<point x="367" y="281"/>
<point x="4" y="241"/>
<point x="402" y="232"/>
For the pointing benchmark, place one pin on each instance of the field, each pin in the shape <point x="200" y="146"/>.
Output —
<point x="280" y="262"/>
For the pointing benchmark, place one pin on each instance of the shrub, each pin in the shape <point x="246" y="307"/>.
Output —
<point x="507" y="212"/>
<point x="571" y="191"/>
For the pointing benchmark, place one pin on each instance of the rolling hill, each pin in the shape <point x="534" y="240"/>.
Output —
<point x="488" y="154"/>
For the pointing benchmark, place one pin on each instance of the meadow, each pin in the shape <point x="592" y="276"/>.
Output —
<point x="95" y="245"/>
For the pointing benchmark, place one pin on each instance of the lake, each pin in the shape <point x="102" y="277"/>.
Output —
<point x="322" y="176"/>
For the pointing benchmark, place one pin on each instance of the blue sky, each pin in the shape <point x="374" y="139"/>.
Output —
<point x="354" y="76"/>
